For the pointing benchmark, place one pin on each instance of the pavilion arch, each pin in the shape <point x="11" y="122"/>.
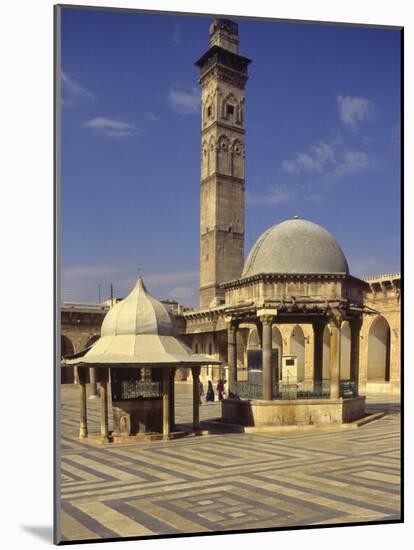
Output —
<point x="326" y="346"/>
<point x="277" y="344"/>
<point x="253" y="341"/>
<point x="379" y="350"/>
<point x="254" y="350"/>
<point x="66" y="347"/>
<point x="297" y="347"/>
<point x="345" y="372"/>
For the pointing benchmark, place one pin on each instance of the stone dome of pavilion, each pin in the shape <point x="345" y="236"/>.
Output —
<point x="295" y="246"/>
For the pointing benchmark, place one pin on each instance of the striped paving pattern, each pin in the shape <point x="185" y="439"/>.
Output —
<point x="227" y="481"/>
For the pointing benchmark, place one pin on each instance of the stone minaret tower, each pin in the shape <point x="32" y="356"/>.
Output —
<point x="223" y="75"/>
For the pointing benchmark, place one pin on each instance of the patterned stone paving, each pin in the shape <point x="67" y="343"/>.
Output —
<point x="227" y="481"/>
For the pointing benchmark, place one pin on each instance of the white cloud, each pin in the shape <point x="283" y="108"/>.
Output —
<point x="352" y="162"/>
<point x="151" y="116"/>
<point x="277" y="194"/>
<point x="353" y="110"/>
<point x="328" y="160"/>
<point x="184" y="102"/>
<point x="316" y="160"/>
<point x="72" y="91"/>
<point x="176" y="35"/>
<point x="112" y="128"/>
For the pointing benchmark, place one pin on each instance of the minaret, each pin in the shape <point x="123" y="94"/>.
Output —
<point x="223" y="75"/>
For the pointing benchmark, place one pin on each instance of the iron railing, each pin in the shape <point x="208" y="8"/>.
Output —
<point x="307" y="389"/>
<point x="126" y="390"/>
<point x="347" y="389"/>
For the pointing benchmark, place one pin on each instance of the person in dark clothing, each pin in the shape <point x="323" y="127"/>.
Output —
<point x="210" y="392"/>
<point x="220" y="389"/>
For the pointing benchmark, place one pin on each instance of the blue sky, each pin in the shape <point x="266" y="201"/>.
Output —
<point x="322" y="142"/>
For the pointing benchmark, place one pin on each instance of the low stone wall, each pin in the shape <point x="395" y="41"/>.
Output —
<point x="292" y="412"/>
<point x="382" y="387"/>
<point x="137" y="416"/>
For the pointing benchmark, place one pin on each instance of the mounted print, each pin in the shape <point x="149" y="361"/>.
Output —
<point x="228" y="276"/>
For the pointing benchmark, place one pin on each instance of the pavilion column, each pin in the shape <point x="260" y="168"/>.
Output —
<point x="196" y="397"/>
<point x="83" y="429"/>
<point x="103" y="375"/>
<point x="266" y="320"/>
<point x="93" y="385"/>
<point x="232" y="356"/>
<point x="166" y="373"/>
<point x="172" y="400"/>
<point x="355" y="326"/>
<point x="335" y="357"/>
<point x="318" y="329"/>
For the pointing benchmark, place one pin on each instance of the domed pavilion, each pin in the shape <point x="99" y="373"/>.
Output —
<point x="295" y="274"/>
<point x="139" y="351"/>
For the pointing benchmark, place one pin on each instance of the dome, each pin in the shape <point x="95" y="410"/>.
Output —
<point x="139" y="313"/>
<point x="140" y="331"/>
<point x="295" y="246"/>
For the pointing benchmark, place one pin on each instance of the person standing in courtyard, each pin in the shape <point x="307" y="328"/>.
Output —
<point x="200" y="390"/>
<point x="210" y="392"/>
<point x="220" y="389"/>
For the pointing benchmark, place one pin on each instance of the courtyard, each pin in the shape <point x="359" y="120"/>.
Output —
<point x="226" y="481"/>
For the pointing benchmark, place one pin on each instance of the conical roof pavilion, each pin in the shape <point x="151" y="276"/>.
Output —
<point x="140" y="331"/>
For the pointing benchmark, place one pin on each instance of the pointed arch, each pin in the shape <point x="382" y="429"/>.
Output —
<point x="211" y="155"/>
<point x="277" y="349"/>
<point x="230" y="108"/>
<point x="223" y="155"/>
<point x="237" y="156"/>
<point x="297" y="348"/>
<point x="326" y="347"/>
<point x="253" y="341"/>
<point x="254" y="351"/>
<point x="345" y="373"/>
<point x="379" y="350"/>
<point x="204" y="159"/>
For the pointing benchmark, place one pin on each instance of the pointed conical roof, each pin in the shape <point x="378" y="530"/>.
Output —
<point x="140" y="331"/>
<point x="139" y="313"/>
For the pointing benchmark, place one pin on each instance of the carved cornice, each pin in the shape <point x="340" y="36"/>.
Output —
<point x="294" y="277"/>
<point x="217" y="176"/>
<point x="225" y="125"/>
